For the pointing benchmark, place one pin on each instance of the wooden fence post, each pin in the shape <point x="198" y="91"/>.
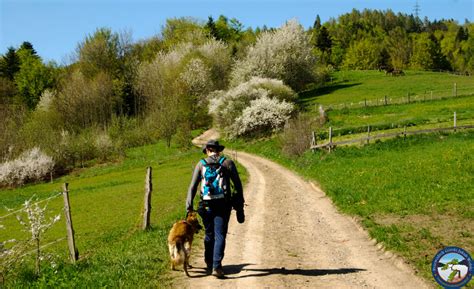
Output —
<point x="454" y="121"/>
<point x="368" y="134"/>
<point x="405" y="133"/>
<point x="147" y="202"/>
<point x="455" y="90"/>
<point x="73" y="252"/>
<point x="365" y="103"/>
<point x="330" y="138"/>
<point x="313" y="140"/>
<point x="385" y="100"/>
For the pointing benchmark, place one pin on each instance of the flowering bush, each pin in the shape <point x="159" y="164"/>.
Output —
<point x="197" y="77"/>
<point x="30" y="166"/>
<point x="228" y="106"/>
<point x="282" y="54"/>
<point x="262" y="116"/>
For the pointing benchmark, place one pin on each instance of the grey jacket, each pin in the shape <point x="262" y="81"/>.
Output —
<point x="230" y="172"/>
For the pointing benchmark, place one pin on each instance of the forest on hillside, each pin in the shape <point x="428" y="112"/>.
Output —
<point x="118" y="93"/>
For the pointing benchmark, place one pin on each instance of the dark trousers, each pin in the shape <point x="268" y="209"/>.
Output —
<point x="215" y="219"/>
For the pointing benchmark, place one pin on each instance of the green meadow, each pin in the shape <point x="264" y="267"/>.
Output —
<point x="381" y="117"/>
<point x="106" y="204"/>
<point x="356" y="86"/>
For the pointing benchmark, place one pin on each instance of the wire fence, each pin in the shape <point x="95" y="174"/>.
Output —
<point x="409" y="97"/>
<point x="70" y="232"/>
<point x="329" y="144"/>
<point x="22" y="247"/>
<point x="35" y="203"/>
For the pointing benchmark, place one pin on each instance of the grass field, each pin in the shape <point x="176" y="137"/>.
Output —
<point x="354" y="86"/>
<point x="357" y="86"/>
<point x="415" y="114"/>
<point x="415" y="196"/>
<point x="106" y="204"/>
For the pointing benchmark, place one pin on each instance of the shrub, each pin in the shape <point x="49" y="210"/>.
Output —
<point x="104" y="147"/>
<point x="129" y="132"/>
<point x="264" y="115"/>
<point x="282" y="54"/>
<point x="227" y="106"/>
<point x="32" y="165"/>
<point x="296" y="136"/>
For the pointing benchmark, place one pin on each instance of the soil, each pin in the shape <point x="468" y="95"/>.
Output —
<point x="294" y="237"/>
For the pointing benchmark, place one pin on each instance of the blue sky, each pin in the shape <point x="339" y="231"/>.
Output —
<point x="449" y="257"/>
<point x="55" y="27"/>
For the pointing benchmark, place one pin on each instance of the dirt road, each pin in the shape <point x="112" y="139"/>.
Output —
<point x="293" y="237"/>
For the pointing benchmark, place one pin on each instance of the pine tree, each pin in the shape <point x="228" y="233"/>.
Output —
<point x="317" y="23"/>
<point x="211" y="27"/>
<point x="27" y="46"/>
<point x="323" y="40"/>
<point x="461" y="35"/>
<point x="9" y="64"/>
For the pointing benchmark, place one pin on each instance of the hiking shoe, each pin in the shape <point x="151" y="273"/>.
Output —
<point x="209" y="269"/>
<point x="240" y="216"/>
<point x="218" y="272"/>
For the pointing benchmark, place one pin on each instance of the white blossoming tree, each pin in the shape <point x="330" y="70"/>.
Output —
<point x="228" y="106"/>
<point x="282" y="54"/>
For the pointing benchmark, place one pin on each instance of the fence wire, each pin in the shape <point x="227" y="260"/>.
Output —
<point x="38" y="202"/>
<point x="409" y="98"/>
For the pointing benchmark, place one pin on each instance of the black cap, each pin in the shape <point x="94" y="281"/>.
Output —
<point x="213" y="143"/>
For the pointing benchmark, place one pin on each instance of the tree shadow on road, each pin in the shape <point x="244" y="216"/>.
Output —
<point x="236" y="269"/>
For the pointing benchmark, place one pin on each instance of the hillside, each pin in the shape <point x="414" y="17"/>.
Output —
<point x="355" y="86"/>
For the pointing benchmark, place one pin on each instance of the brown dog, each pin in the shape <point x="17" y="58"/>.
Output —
<point x="180" y="240"/>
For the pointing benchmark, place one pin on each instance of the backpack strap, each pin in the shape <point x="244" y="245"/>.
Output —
<point x="203" y="161"/>
<point x="221" y="160"/>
